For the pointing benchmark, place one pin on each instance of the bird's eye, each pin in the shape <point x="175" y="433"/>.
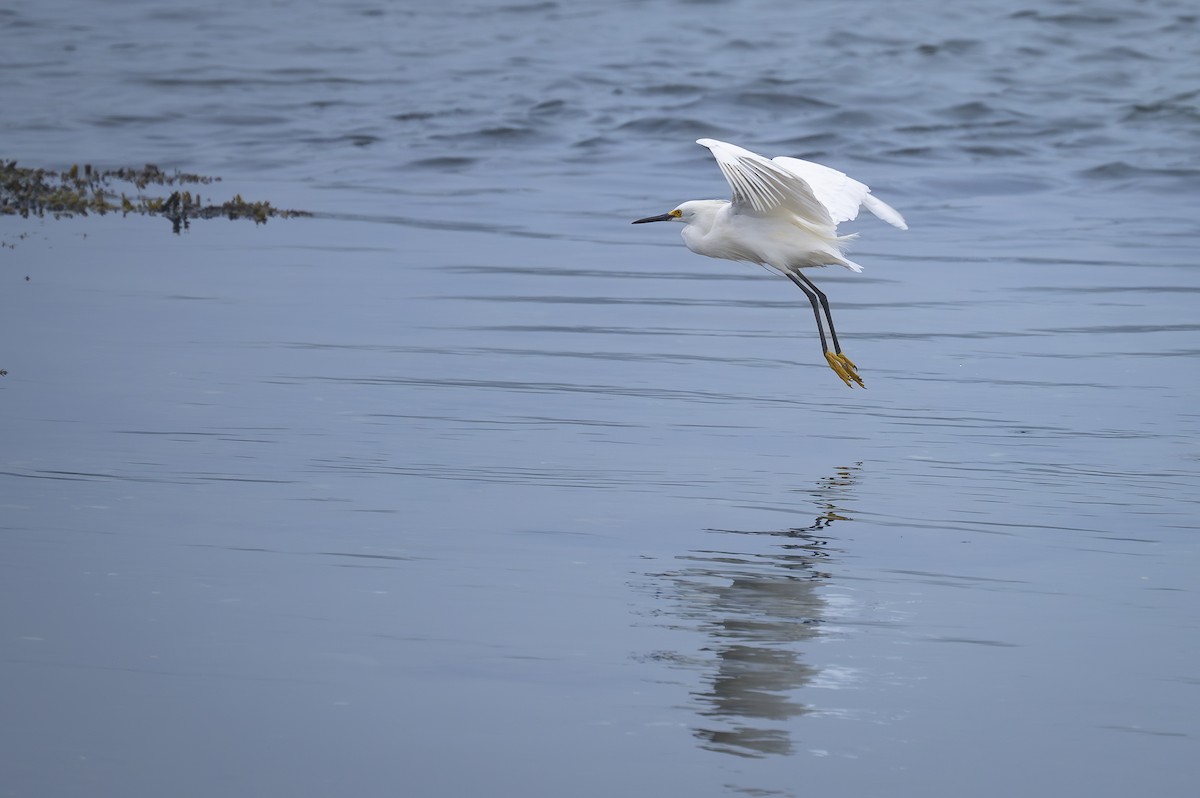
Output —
<point x="676" y="213"/>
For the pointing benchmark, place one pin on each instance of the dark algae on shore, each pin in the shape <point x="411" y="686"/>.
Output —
<point x="79" y="191"/>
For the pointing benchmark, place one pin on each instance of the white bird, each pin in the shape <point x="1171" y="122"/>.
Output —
<point x="784" y="215"/>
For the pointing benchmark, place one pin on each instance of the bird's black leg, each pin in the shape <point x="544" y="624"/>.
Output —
<point x="843" y="366"/>
<point x="824" y="306"/>
<point x="812" y="298"/>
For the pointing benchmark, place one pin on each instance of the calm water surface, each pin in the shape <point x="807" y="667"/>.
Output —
<point x="468" y="487"/>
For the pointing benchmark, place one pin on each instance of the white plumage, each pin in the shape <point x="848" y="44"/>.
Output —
<point x="784" y="214"/>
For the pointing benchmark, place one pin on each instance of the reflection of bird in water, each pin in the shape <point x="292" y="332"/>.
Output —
<point x="758" y="602"/>
<point x="830" y="491"/>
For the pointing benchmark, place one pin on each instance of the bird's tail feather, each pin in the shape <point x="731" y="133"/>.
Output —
<point x="842" y="259"/>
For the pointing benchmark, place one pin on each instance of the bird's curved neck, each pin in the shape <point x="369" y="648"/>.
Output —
<point x="706" y="212"/>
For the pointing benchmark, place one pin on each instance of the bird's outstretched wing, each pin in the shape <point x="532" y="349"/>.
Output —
<point x="816" y="193"/>
<point x="766" y="186"/>
<point x="841" y="194"/>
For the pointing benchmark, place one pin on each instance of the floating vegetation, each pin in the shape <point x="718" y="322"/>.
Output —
<point x="80" y="191"/>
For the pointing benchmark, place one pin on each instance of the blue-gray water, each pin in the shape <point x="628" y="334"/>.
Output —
<point x="469" y="487"/>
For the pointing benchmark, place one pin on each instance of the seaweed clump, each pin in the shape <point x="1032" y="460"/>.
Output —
<point x="79" y="191"/>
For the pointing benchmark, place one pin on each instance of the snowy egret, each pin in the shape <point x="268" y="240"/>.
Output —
<point x="784" y="215"/>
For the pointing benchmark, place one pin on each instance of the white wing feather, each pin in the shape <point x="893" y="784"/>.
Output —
<point x="841" y="194"/>
<point x="816" y="193"/>
<point x="884" y="211"/>
<point x="766" y="186"/>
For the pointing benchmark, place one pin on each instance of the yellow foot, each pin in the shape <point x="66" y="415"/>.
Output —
<point x="844" y="367"/>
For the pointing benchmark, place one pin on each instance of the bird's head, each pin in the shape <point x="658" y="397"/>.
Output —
<point x="686" y="213"/>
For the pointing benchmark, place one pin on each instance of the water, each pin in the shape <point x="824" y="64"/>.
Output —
<point x="467" y="486"/>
